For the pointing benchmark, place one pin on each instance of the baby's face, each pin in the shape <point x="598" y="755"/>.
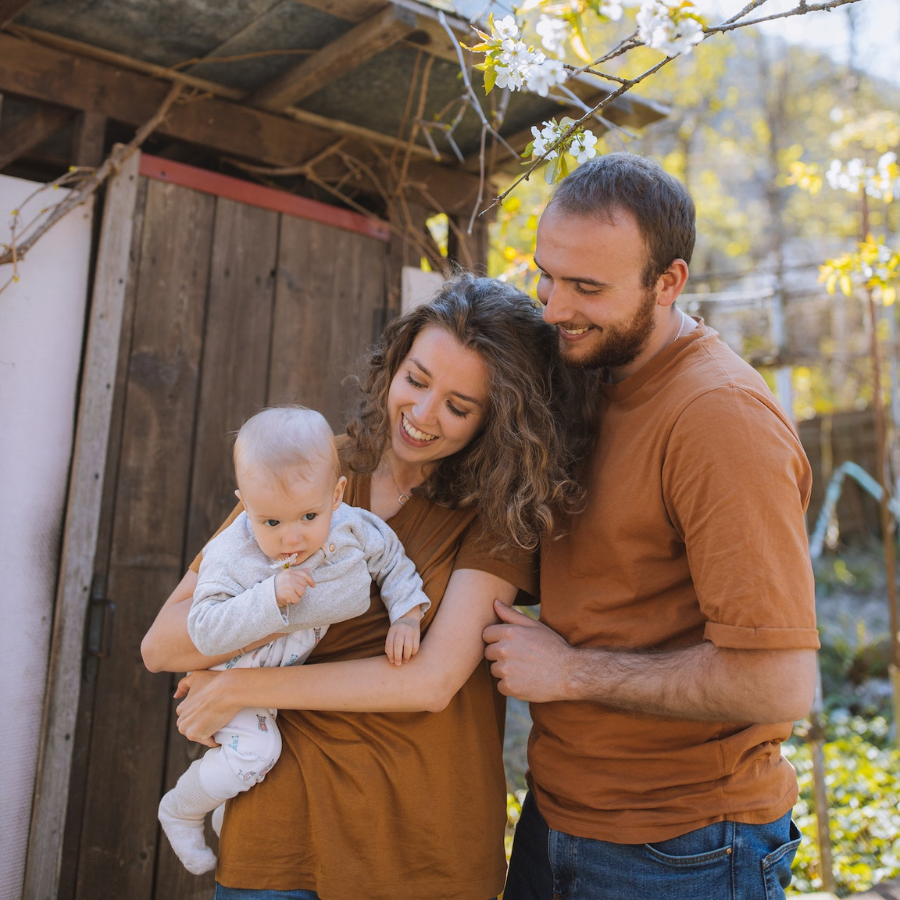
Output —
<point x="291" y="514"/>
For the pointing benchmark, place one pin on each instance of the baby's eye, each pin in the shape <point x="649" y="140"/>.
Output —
<point x="271" y="523"/>
<point x="309" y="517"/>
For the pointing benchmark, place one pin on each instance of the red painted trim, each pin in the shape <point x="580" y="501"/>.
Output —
<point x="258" y="195"/>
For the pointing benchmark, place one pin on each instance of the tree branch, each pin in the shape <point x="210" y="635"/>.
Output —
<point x="16" y="251"/>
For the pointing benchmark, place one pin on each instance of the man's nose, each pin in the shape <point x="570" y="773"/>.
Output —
<point x="555" y="309"/>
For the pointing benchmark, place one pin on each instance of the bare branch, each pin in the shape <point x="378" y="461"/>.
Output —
<point x="79" y="195"/>
<point x="801" y="10"/>
<point x="471" y="91"/>
<point x="737" y="21"/>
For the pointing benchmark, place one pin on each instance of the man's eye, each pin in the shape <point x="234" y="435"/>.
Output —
<point x="271" y="523"/>
<point x="309" y="517"/>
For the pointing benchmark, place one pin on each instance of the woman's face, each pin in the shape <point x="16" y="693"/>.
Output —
<point x="438" y="398"/>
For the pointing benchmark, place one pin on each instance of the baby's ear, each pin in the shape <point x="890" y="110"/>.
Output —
<point x="339" y="491"/>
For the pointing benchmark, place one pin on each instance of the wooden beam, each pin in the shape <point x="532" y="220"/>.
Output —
<point x="89" y="139"/>
<point x="80" y="534"/>
<point x="9" y="9"/>
<point x="77" y="48"/>
<point x="429" y="35"/>
<point x="350" y="50"/>
<point x="30" y="132"/>
<point x="47" y="74"/>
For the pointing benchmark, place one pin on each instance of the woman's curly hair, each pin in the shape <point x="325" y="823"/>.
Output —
<point x="522" y="469"/>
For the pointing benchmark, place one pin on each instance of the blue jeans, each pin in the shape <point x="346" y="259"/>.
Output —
<point x="723" y="861"/>
<point x="226" y="893"/>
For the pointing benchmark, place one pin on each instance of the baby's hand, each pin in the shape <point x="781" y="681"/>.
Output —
<point x="402" y="642"/>
<point x="291" y="585"/>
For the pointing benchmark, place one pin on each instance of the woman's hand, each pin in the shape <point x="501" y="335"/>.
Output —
<point x="206" y="707"/>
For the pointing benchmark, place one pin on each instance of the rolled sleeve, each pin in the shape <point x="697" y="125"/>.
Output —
<point x="739" y="637"/>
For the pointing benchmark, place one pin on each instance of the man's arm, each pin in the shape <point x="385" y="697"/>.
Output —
<point x="703" y="682"/>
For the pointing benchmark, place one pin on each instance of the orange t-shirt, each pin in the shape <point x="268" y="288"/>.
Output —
<point x="694" y="531"/>
<point x="380" y="805"/>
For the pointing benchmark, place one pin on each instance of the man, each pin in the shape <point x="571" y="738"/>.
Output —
<point x="677" y="636"/>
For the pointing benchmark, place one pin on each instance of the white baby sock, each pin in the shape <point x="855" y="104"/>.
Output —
<point x="181" y="813"/>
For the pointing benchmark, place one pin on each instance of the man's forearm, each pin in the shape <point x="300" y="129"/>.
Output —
<point x="702" y="682"/>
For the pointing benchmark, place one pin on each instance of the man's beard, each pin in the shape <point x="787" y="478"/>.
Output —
<point x="620" y="344"/>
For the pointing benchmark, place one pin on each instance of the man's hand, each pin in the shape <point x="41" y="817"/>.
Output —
<point x="531" y="661"/>
<point x="402" y="641"/>
<point x="291" y="585"/>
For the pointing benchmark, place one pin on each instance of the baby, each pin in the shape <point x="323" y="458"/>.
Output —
<point x="251" y="585"/>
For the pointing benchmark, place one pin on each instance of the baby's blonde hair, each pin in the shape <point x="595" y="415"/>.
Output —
<point x="283" y="439"/>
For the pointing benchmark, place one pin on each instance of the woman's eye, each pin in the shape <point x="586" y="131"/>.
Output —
<point x="272" y="523"/>
<point x="413" y="381"/>
<point x="461" y="413"/>
<point x="309" y="517"/>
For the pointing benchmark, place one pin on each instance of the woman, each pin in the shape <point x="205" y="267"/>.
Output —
<point x="457" y="445"/>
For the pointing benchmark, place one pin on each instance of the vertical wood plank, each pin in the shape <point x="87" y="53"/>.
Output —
<point x="326" y="314"/>
<point x="83" y="728"/>
<point x="127" y="755"/>
<point x="235" y="355"/>
<point x="82" y="519"/>
<point x="233" y="387"/>
<point x="88" y="139"/>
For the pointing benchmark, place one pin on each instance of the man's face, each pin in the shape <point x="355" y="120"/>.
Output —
<point x="591" y="288"/>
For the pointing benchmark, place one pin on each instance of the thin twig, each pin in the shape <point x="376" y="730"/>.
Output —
<point x="481" y="180"/>
<point x="111" y="165"/>
<point x="470" y="90"/>
<point x="625" y="85"/>
<point x="240" y="57"/>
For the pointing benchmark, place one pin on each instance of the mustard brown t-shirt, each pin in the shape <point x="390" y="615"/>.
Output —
<point x="694" y="531"/>
<point x="381" y="805"/>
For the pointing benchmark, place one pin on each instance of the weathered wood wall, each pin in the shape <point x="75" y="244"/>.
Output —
<point x="231" y="308"/>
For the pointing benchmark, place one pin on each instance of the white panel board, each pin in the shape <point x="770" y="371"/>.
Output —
<point x="418" y="286"/>
<point x="42" y="320"/>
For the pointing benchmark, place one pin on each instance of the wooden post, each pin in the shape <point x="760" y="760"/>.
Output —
<point x="80" y="535"/>
<point x="88" y="140"/>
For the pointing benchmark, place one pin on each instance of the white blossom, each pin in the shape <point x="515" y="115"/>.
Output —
<point x="285" y="563"/>
<point x="661" y="28"/>
<point x="514" y="79"/>
<point x="543" y="75"/>
<point x="506" y="28"/>
<point x="612" y="9"/>
<point x="543" y="137"/>
<point x="515" y="54"/>
<point x="583" y="146"/>
<point x="881" y="181"/>
<point x="553" y="34"/>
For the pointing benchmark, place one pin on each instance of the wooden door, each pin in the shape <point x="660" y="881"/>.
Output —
<point x="231" y="307"/>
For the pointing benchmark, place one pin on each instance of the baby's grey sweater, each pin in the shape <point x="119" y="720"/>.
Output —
<point x="234" y="601"/>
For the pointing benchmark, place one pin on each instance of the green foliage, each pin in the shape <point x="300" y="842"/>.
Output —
<point x="862" y="777"/>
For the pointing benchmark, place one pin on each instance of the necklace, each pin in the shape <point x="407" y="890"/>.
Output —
<point x="684" y="319"/>
<point x="402" y="496"/>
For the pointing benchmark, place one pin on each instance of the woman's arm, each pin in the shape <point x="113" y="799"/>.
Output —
<point x="166" y="646"/>
<point x="448" y="655"/>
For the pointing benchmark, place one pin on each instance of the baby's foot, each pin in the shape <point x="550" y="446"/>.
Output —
<point x="185" y="834"/>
